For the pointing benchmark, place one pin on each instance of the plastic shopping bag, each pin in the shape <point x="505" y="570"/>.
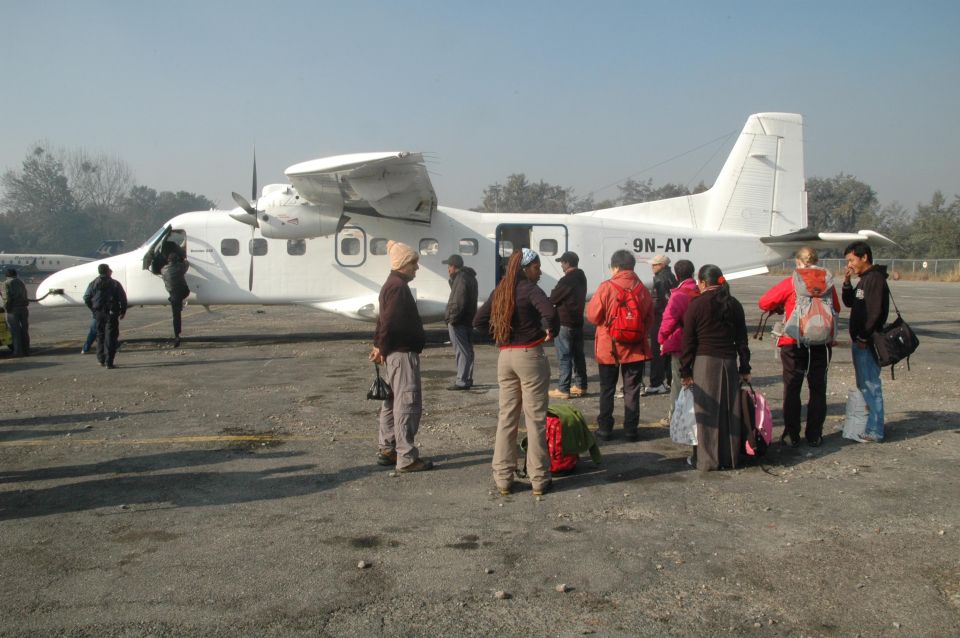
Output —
<point x="683" y="424"/>
<point x="379" y="389"/>
<point x="855" y="425"/>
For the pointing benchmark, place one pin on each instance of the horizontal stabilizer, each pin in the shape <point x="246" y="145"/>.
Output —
<point x="826" y="240"/>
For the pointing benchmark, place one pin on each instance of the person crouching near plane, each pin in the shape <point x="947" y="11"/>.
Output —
<point x="869" y="305"/>
<point x="15" y="302"/>
<point x="714" y="338"/>
<point x="174" y="275"/>
<point x="569" y="296"/>
<point x="801" y="360"/>
<point x="397" y="344"/>
<point x="670" y="334"/>
<point x="461" y="309"/>
<point x="520" y="318"/>
<point x="624" y="355"/>
<point x="108" y="301"/>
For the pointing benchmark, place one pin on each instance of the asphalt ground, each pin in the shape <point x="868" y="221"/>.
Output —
<point x="228" y="487"/>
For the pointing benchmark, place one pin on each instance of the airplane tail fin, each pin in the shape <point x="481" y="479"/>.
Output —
<point x="761" y="188"/>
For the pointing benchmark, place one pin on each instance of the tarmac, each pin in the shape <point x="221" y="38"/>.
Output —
<point x="229" y="487"/>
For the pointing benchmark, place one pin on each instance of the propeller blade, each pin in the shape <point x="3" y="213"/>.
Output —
<point x="254" y="191"/>
<point x="244" y="204"/>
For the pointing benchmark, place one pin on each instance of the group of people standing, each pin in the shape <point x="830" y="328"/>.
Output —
<point x="696" y="327"/>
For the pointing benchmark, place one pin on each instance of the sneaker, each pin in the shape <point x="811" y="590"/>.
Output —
<point x="660" y="389"/>
<point x="387" y="458"/>
<point x="417" y="466"/>
<point x="558" y="394"/>
<point x="84" y="350"/>
<point x="577" y="391"/>
<point x="619" y="393"/>
<point x="794" y="441"/>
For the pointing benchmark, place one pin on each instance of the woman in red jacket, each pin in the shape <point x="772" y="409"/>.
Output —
<point x="801" y="361"/>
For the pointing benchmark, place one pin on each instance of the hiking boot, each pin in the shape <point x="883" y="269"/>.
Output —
<point x="558" y="394"/>
<point x="504" y="491"/>
<point x="387" y="458"/>
<point x="542" y="489"/>
<point x="577" y="391"/>
<point x="631" y="435"/>
<point x="660" y="389"/>
<point x="417" y="466"/>
<point x="602" y="435"/>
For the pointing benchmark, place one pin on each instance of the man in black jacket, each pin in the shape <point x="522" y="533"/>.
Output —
<point x="175" y="280"/>
<point x="663" y="283"/>
<point x="15" y="304"/>
<point x="569" y="296"/>
<point x="869" y="305"/>
<point x="108" y="301"/>
<point x="461" y="309"/>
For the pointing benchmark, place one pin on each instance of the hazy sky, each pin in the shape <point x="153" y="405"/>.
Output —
<point x="581" y="94"/>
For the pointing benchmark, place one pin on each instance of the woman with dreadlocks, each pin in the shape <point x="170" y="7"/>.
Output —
<point x="520" y="317"/>
<point x="714" y="337"/>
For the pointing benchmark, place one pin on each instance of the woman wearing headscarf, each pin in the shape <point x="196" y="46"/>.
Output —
<point x="714" y="339"/>
<point x="520" y="317"/>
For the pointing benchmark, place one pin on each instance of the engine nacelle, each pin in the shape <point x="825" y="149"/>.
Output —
<point x="282" y="214"/>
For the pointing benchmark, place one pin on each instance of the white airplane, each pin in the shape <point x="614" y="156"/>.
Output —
<point x="321" y="241"/>
<point x="27" y="264"/>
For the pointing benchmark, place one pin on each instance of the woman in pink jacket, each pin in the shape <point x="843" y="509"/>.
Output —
<point x="670" y="336"/>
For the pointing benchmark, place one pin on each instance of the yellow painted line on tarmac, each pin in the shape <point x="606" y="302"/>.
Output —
<point x="173" y="440"/>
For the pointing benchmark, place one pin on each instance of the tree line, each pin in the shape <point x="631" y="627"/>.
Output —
<point x="68" y="201"/>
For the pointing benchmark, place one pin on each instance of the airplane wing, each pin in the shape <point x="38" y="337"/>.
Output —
<point x="394" y="185"/>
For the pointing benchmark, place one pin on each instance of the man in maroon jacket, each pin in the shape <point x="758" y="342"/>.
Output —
<point x="397" y="344"/>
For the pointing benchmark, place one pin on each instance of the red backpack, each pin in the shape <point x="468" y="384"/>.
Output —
<point x="626" y="325"/>
<point x="559" y="462"/>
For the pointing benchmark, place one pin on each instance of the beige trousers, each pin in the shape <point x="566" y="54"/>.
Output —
<point x="400" y="415"/>
<point x="524" y="378"/>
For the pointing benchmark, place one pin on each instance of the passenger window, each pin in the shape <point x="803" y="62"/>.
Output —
<point x="429" y="247"/>
<point x="506" y="248"/>
<point x="469" y="247"/>
<point x="229" y="247"/>
<point x="258" y="247"/>
<point x="548" y="247"/>
<point x="378" y="246"/>
<point x="350" y="246"/>
<point x="296" y="247"/>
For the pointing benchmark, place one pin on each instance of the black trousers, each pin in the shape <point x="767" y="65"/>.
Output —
<point x="632" y="381"/>
<point x="176" y="307"/>
<point x="659" y="363"/>
<point x="811" y="363"/>
<point x="108" y="334"/>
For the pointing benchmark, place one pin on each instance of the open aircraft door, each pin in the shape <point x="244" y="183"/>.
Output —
<point x="549" y="240"/>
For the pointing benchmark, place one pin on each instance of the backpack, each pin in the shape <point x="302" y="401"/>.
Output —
<point x="559" y="462"/>
<point x="813" y="321"/>
<point x="626" y="325"/>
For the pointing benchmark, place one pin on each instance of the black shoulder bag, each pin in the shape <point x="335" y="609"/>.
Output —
<point x="894" y="342"/>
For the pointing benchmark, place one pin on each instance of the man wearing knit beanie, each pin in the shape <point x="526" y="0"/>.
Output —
<point x="397" y="344"/>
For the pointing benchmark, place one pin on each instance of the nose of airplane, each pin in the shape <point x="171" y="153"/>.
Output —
<point x="66" y="287"/>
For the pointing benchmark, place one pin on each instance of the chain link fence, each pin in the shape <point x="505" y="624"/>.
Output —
<point x="944" y="269"/>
